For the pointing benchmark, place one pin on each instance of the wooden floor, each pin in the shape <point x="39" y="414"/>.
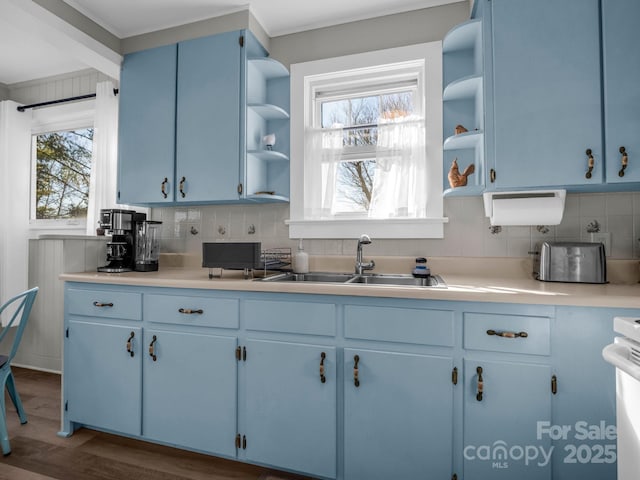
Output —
<point x="37" y="453"/>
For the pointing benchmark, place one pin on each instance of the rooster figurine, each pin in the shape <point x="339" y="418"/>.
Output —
<point x="457" y="179"/>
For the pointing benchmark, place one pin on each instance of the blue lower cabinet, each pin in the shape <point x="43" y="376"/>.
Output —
<point x="289" y="406"/>
<point x="189" y="390"/>
<point x="102" y="376"/>
<point x="398" y="415"/>
<point x="505" y="403"/>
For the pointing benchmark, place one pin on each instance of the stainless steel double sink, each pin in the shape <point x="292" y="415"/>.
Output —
<point x="433" y="281"/>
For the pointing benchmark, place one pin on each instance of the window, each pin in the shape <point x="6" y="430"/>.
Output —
<point x="61" y="153"/>
<point x="62" y="171"/>
<point x="366" y="145"/>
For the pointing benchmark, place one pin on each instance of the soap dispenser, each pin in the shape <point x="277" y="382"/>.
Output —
<point x="301" y="260"/>
<point x="421" y="270"/>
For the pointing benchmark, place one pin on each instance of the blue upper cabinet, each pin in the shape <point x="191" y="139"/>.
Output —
<point x="463" y="104"/>
<point x="146" y="143"/>
<point x="208" y="118"/>
<point x="621" y="92"/>
<point x="193" y="117"/>
<point x="547" y="124"/>
<point x="559" y="106"/>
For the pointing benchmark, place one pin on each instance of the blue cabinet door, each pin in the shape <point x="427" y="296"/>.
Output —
<point x="146" y="141"/>
<point x="208" y="118"/>
<point x="621" y="92"/>
<point x="189" y="390"/>
<point x="501" y="424"/>
<point x="586" y="399"/>
<point x="289" y="412"/>
<point x="398" y="420"/>
<point x="546" y="93"/>
<point x="103" y="377"/>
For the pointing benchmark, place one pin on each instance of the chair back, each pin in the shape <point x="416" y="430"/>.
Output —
<point x="23" y="303"/>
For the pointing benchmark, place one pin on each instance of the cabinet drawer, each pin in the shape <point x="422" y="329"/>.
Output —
<point x="196" y="311"/>
<point x="290" y="317"/>
<point x="482" y="331"/>
<point x="105" y="304"/>
<point x="404" y="325"/>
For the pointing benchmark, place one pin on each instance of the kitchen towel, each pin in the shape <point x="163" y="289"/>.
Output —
<point x="540" y="207"/>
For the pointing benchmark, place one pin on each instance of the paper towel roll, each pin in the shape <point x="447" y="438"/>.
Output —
<point x="525" y="208"/>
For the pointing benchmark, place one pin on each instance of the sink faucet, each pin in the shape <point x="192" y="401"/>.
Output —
<point x="360" y="265"/>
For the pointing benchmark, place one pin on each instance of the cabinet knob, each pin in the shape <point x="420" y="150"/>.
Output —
<point x="181" y="187"/>
<point x="590" y="163"/>
<point x="130" y="343"/>
<point x="163" y="187"/>
<point x="480" y="386"/>
<point x="152" y="349"/>
<point x="623" y="161"/>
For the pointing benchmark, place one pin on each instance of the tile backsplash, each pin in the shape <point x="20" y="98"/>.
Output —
<point x="467" y="233"/>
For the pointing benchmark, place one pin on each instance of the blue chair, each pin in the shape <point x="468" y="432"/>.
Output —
<point x="22" y="304"/>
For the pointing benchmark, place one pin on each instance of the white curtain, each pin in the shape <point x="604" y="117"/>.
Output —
<point x="15" y="178"/>
<point x="400" y="180"/>
<point x="103" y="180"/>
<point x="323" y="151"/>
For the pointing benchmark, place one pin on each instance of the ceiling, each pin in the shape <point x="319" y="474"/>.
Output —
<point x="25" y="54"/>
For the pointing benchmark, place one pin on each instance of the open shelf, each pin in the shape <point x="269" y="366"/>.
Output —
<point x="462" y="37"/>
<point x="269" y="67"/>
<point x="464" y="88"/>
<point x="464" y="140"/>
<point x="269" y="112"/>
<point x="269" y="155"/>
<point x="268" y="198"/>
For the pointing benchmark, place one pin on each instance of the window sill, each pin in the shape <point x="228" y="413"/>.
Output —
<point x="353" y="228"/>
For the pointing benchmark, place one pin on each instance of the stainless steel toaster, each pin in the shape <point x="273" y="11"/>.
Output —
<point x="577" y="262"/>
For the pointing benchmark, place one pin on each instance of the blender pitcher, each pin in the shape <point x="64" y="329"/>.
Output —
<point x="147" y="246"/>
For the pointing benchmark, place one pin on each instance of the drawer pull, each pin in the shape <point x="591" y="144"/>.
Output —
<point x="590" y="163"/>
<point x="129" y="343"/>
<point x="624" y="161"/>
<point x="189" y="311"/>
<point x="480" y="388"/>
<point x="323" y="379"/>
<point x="181" y="187"/>
<point x="356" y="379"/>
<point x="554" y="384"/>
<point x="508" y="334"/>
<point x="100" y="304"/>
<point x="152" y="349"/>
<point x="163" y="187"/>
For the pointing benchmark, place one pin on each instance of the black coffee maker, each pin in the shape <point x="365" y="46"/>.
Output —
<point x="120" y="224"/>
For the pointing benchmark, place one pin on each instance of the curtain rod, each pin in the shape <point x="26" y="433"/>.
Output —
<point x="22" y="108"/>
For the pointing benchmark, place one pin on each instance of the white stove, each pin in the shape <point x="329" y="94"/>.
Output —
<point x="624" y="354"/>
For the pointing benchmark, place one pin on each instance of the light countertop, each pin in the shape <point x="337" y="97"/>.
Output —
<point x="468" y="279"/>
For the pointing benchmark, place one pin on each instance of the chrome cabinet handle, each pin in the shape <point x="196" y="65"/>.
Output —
<point x="624" y="161"/>
<point x="163" y="187"/>
<point x="590" y="163"/>
<point x="181" y="187"/>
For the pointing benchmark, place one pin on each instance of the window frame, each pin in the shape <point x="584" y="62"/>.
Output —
<point x="305" y="78"/>
<point x="71" y="116"/>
